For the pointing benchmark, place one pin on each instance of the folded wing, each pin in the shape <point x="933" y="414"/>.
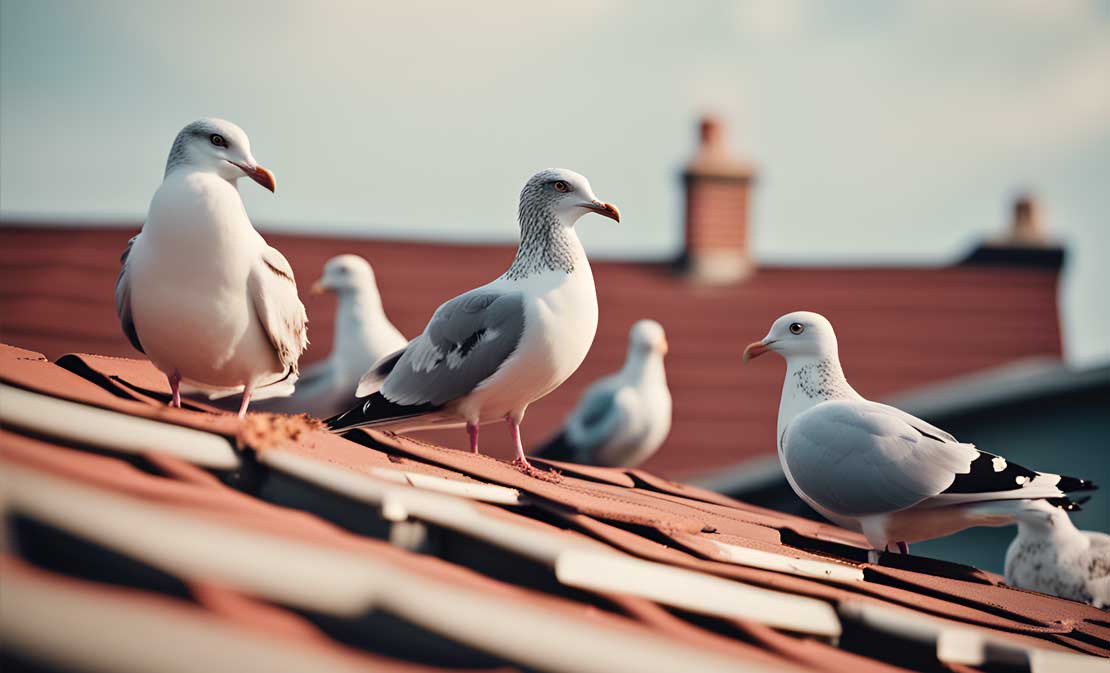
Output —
<point x="468" y="339"/>
<point x="123" y="299"/>
<point x="858" y="458"/>
<point x="273" y="294"/>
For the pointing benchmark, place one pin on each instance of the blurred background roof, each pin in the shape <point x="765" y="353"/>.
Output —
<point x="883" y="131"/>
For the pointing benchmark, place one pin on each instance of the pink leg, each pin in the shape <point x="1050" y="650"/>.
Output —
<point x="175" y="386"/>
<point x="472" y="430"/>
<point x="246" y="401"/>
<point x="903" y="548"/>
<point x="514" y="431"/>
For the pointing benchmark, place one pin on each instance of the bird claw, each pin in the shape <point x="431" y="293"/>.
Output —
<point x="527" y="468"/>
<point x="524" y="466"/>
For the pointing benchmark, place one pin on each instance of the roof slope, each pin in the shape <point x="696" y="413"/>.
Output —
<point x="176" y="540"/>
<point x="899" y="327"/>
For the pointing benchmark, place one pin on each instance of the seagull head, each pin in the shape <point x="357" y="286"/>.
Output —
<point x="345" y="273"/>
<point x="647" y="337"/>
<point x="797" y="334"/>
<point x="564" y="194"/>
<point x="217" y="146"/>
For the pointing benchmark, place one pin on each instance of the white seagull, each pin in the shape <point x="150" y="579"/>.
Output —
<point x="199" y="291"/>
<point x="363" y="336"/>
<point x="489" y="353"/>
<point x="1052" y="556"/>
<point x="622" y="419"/>
<point x="876" y="469"/>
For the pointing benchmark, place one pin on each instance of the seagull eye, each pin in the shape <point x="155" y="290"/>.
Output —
<point x="561" y="186"/>
<point x="797" y="328"/>
<point x="218" y="140"/>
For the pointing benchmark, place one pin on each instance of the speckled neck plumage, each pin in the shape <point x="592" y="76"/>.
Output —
<point x="546" y="244"/>
<point x="822" y="380"/>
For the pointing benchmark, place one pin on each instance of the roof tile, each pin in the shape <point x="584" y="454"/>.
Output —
<point x="285" y="503"/>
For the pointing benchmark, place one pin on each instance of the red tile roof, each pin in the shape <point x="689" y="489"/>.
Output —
<point x="899" y="327"/>
<point x="288" y="554"/>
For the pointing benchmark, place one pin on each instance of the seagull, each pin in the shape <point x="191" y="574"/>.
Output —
<point x="490" y="352"/>
<point x="876" y="469"/>
<point x="623" y="418"/>
<point x="1052" y="556"/>
<point x="199" y="291"/>
<point x="363" y="336"/>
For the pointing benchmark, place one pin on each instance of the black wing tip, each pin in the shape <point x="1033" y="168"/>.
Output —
<point x="342" y="422"/>
<point x="335" y="423"/>
<point x="375" y="410"/>
<point x="1070" y="484"/>
<point x="1067" y="504"/>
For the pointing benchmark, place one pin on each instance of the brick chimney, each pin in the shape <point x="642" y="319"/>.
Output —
<point x="717" y="186"/>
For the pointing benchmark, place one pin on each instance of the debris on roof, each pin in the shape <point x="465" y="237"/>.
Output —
<point x="144" y="538"/>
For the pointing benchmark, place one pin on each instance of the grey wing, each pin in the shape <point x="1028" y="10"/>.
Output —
<point x="465" y="343"/>
<point x="920" y="425"/>
<point x="123" y="298"/>
<point x="273" y="293"/>
<point x="595" y="419"/>
<point x="856" y="458"/>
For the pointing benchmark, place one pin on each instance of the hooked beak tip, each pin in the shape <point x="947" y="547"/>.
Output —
<point x="606" y="209"/>
<point x="754" y="350"/>
<point x="259" y="174"/>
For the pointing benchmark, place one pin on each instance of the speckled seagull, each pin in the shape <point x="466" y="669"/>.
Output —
<point x="200" y="292"/>
<point x="1050" y="555"/>
<point x="876" y="469"/>
<point x="489" y="353"/>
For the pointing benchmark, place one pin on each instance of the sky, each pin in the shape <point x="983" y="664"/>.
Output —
<point x="883" y="132"/>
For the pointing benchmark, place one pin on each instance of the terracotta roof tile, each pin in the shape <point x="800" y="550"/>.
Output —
<point x="313" y="493"/>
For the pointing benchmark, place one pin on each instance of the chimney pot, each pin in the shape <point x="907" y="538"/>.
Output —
<point x="1026" y="227"/>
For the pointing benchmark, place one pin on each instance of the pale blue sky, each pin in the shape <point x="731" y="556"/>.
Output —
<point x="883" y="131"/>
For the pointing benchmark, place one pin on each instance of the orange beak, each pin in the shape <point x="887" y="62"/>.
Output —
<point x="754" y="350"/>
<point x="259" y="175"/>
<point x="666" y="348"/>
<point x="606" y="209"/>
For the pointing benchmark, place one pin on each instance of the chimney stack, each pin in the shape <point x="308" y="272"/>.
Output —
<point x="717" y="199"/>
<point x="1026" y="243"/>
<point x="1026" y="228"/>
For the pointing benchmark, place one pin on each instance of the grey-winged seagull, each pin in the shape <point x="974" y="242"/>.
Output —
<point x="489" y="353"/>
<point x="621" y="419"/>
<point x="200" y="292"/>
<point x="1050" y="555"/>
<point x="877" y="469"/>
<point x="363" y="336"/>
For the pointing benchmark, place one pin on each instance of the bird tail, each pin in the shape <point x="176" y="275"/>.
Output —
<point x="558" y="448"/>
<point x="376" y="410"/>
